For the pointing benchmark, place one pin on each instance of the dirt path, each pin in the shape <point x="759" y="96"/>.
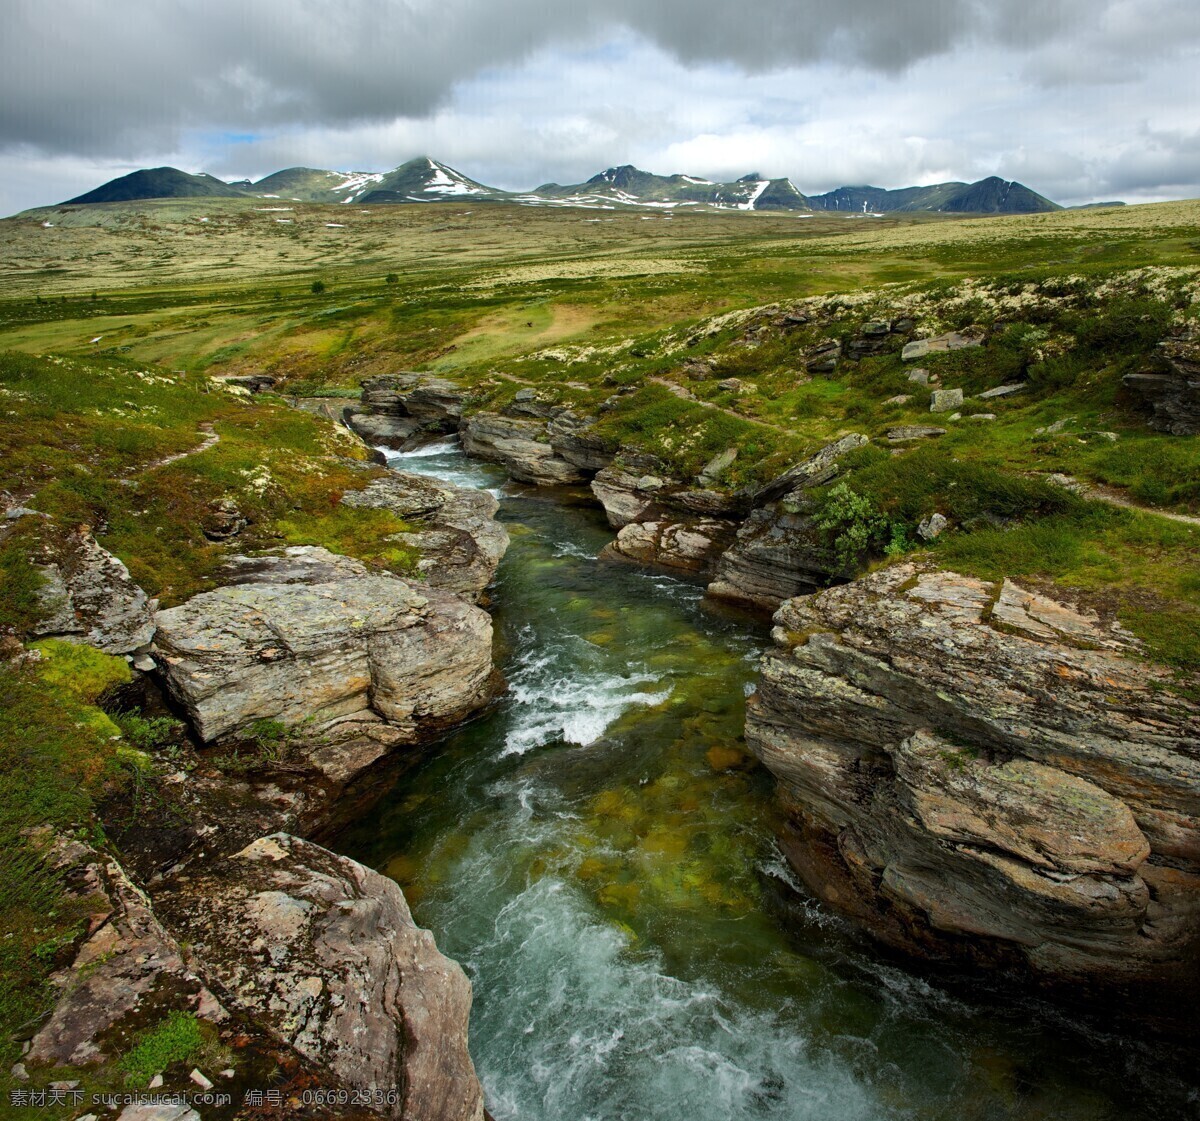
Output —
<point x="685" y="394"/>
<point x="1113" y="497"/>
<point x="210" y="440"/>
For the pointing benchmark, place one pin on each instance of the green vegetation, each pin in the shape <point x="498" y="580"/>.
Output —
<point x="57" y="755"/>
<point x="177" y="1039"/>
<point x="149" y="733"/>
<point x="147" y="458"/>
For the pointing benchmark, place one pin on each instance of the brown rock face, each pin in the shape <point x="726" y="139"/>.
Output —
<point x="324" y="954"/>
<point x="779" y="551"/>
<point x="522" y="445"/>
<point x="400" y="410"/>
<point x="977" y="770"/>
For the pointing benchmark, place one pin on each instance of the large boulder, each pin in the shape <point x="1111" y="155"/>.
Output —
<point x="323" y="953"/>
<point x="522" y="445"/>
<point x="637" y="487"/>
<point x="306" y="636"/>
<point x="688" y="547"/>
<point x="454" y="528"/>
<point x="1170" y="388"/>
<point x="978" y="770"/>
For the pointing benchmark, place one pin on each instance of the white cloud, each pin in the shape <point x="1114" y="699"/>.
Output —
<point x="1083" y="102"/>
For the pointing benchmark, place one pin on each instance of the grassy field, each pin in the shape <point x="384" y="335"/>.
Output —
<point x="138" y="306"/>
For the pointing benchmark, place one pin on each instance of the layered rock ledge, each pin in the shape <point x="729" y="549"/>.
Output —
<point x="399" y="410"/>
<point x="307" y="635"/>
<point x="460" y="542"/>
<point x="974" y="770"/>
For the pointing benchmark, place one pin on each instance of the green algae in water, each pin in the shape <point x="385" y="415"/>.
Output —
<point x="598" y="853"/>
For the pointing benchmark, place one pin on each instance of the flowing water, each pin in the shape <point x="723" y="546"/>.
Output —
<point x="597" y="851"/>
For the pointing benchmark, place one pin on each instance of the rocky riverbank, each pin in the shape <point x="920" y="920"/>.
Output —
<point x="306" y="679"/>
<point x="754" y="548"/>
<point x="984" y="771"/>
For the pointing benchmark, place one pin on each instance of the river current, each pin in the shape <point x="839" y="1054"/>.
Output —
<point x="597" y="851"/>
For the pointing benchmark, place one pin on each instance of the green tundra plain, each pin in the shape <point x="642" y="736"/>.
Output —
<point x="117" y="320"/>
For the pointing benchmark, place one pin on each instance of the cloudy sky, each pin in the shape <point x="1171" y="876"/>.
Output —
<point x="1083" y="100"/>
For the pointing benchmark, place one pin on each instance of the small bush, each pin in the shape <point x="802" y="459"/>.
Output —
<point x="318" y="286"/>
<point x="856" y="527"/>
<point x="149" y="733"/>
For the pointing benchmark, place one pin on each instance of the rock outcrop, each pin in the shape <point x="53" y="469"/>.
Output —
<point x="976" y="770"/>
<point x="940" y="344"/>
<point x="87" y="594"/>
<point x="573" y="441"/>
<point x="128" y="971"/>
<point x="663" y="522"/>
<point x="400" y="410"/>
<point x="323" y="953"/>
<point x="1170" y="389"/>
<point x="691" y="547"/>
<point x="455" y="529"/>
<point x="309" y="636"/>
<point x="779" y="551"/>
<point x="523" y="446"/>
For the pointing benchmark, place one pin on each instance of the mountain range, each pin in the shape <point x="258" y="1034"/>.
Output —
<point x="425" y="180"/>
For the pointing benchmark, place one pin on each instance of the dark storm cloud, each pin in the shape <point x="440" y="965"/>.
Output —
<point x="87" y="76"/>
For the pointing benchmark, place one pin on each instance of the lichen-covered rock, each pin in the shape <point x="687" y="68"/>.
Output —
<point x="87" y="594"/>
<point x="323" y="953"/>
<point x="455" y="529"/>
<point x="522" y="445"/>
<point x="128" y="971"/>
<point x="309" y="636"/>
<point x="952" y="340"/>
<point x="977" y="769"/>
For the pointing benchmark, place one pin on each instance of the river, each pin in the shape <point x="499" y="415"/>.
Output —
<point x="597" y="851"/>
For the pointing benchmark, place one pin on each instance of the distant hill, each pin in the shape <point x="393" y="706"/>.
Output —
<point x="989" y="196"/>
<point x="425" y="180"/>
<point x="419" y="180"/>
<point x="160" y="183"/>
<point x="630" y="186"/>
